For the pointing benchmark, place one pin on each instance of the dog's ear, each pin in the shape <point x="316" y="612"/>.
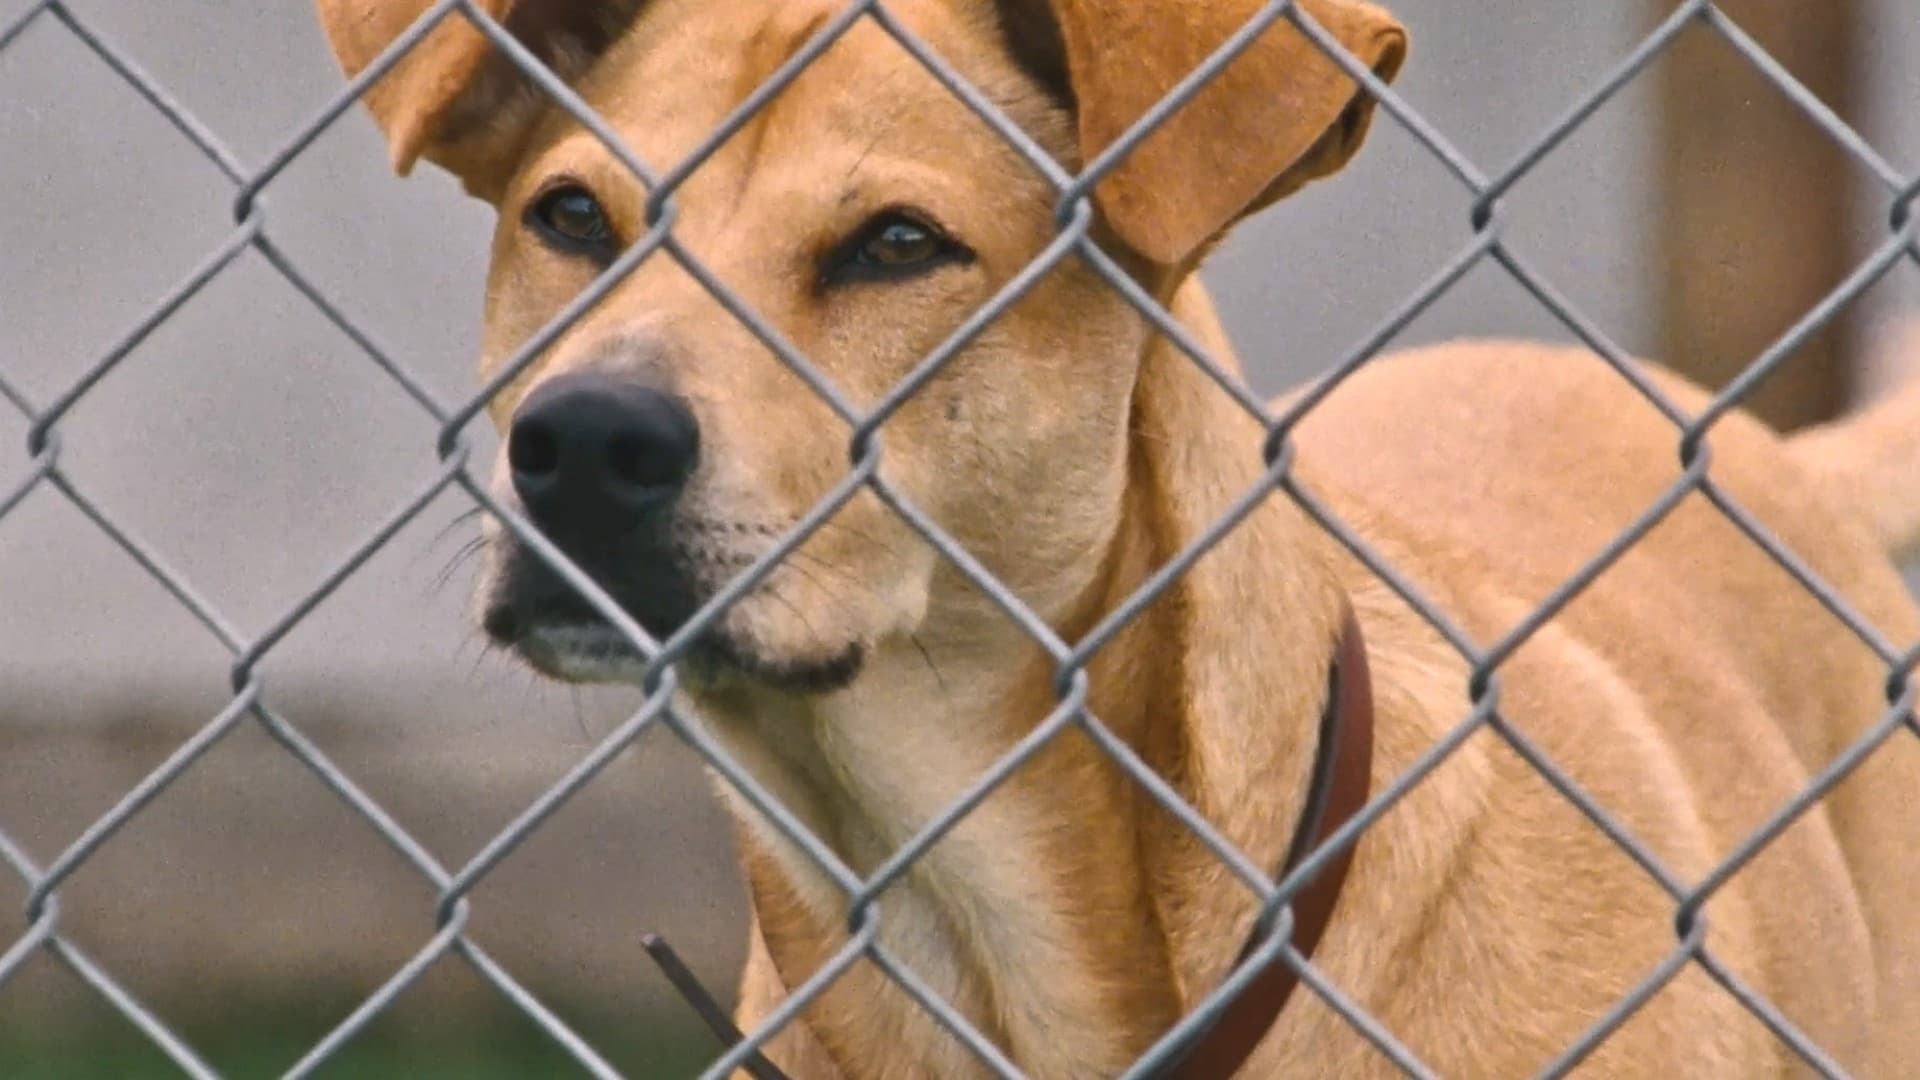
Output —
<point x="454" y="98"/>
<point x="1281" y="114"/>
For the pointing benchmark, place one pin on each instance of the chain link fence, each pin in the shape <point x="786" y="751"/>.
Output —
<point x="39" y="474"/>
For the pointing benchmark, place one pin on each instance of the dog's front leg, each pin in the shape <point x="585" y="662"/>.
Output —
<point x="795" y="1049"/>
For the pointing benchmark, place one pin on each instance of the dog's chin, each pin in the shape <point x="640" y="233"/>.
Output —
<point x="593" y="652"/>
<point x="580" y="652"/>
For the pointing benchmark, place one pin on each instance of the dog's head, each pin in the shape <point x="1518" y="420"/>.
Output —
<point x="863" y="216"/>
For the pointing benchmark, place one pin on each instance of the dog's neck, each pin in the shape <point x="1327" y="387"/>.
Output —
<point x="1256" y="618"/>
<point x="1068" y="916"/>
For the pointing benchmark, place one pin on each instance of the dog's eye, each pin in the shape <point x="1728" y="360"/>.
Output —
<point x="570" y="218"/>
<point x="899" y="242"/>
<point x="894" y="245"/>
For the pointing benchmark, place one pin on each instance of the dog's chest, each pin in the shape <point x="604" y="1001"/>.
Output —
<point x="982" y="918"/>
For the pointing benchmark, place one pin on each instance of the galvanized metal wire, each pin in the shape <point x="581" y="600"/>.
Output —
<point x="40" y="474"/>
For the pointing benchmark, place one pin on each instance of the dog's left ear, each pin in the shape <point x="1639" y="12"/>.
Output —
<point x="454" y="98"/>
<point x="1280" y="115"/>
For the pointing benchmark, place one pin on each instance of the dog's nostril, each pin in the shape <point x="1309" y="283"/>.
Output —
<point x="533" y="449"/>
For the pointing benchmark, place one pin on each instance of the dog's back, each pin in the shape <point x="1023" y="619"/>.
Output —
<point x="1536" y="460"/>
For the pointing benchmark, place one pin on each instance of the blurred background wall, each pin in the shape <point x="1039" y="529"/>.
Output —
<point x="1694" y="217"/>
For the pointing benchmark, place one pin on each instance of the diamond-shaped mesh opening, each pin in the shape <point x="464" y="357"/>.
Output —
<point x="447" y="940"/>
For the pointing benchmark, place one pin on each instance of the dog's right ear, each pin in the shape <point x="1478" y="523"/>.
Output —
<point x="455" y="99"/>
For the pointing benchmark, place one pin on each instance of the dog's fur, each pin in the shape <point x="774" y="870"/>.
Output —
<point x="1692" y="690"/>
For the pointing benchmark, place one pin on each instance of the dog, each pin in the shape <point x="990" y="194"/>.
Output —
<point x="1072" y="450"/>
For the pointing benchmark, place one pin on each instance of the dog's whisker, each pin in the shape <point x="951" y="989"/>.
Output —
<point x="861" y="535"/>
<point x="466" y="552"/>
<point x="927" y="655"/>
<point x="479" y="658"/>
<point x="453" y="523"/>
<point x="810" y="559"/>
<point x="579" y="713"/>
<point x="773" y="591"/>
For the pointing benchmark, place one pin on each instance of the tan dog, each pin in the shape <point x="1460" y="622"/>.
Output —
<point x="1692" y="690"/>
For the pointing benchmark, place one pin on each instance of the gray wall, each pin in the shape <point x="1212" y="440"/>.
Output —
<point x="252" y="444"/>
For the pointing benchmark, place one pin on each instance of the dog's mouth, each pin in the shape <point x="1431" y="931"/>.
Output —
<point x="546" y="623"/>
<point x="593" y="650"/>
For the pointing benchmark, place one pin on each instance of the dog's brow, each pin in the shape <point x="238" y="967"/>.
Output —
<point x="847" y="194"/>
<point x="769" y="56"/>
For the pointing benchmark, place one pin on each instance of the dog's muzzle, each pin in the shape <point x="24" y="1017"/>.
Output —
<point x="598" y="464"/>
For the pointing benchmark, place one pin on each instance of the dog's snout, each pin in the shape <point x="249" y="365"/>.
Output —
<point x="591" y="453"/>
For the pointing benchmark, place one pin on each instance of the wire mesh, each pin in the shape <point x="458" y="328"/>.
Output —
<point x="1482" y="201"/>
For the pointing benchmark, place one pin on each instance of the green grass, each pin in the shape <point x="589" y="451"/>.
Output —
<point x="265" y="1042"/>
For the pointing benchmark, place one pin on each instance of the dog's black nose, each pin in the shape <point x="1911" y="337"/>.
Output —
<point x="592" y="454"/>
